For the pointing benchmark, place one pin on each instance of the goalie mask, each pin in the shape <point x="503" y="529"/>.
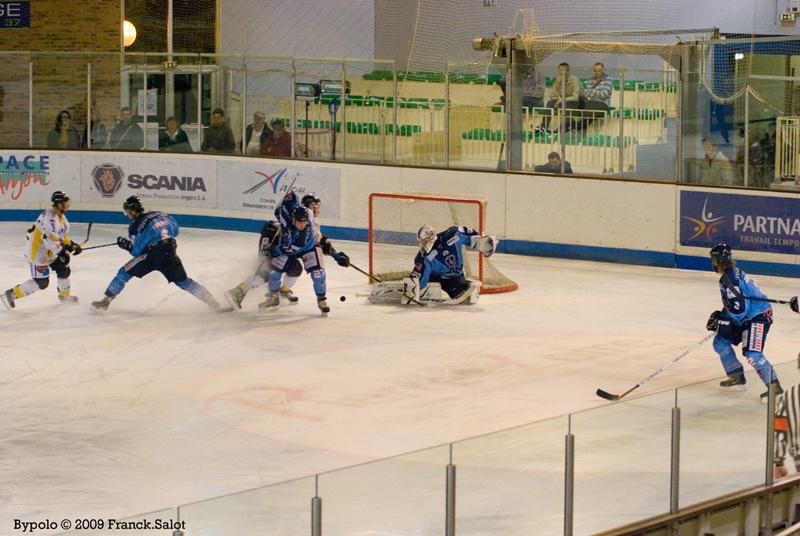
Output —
<point x="427" y="237"/>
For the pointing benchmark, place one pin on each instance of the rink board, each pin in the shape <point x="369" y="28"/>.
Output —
<point x="607" y="220"/>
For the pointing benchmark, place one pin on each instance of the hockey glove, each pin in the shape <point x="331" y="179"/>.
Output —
<point x="341" y="259"/>
<point x="713" y="321"/>
<point x="327" y="247"/>
<point x="74" y="248"/>
<point x="793" y="304"/>
<point x="124" y="243"/>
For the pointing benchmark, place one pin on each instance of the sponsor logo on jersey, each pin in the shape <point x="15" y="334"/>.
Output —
<point x="706" y="224"/>
<point x="107" y="179"/>
<point x="757" y="337"/>
<point x="452" y="240"/>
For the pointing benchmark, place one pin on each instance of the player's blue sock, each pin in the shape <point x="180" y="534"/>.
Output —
<point x="275" y="281"/>
<point x="762" y="366"/>
<point x="728" y="357"/>
<point x="118" y="283"/>
<point x="194" y="288"/>
<point x="318" y="278"/>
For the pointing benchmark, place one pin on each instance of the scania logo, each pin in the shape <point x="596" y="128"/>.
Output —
<point x="107" y="179"/>
<point x="166" y="182"/>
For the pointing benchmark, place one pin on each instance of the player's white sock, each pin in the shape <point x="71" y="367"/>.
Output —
<point x="64" y="291"/>
<point x="25" y="289"/>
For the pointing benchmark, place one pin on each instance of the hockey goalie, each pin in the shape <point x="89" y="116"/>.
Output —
<point x="438" y="275"/>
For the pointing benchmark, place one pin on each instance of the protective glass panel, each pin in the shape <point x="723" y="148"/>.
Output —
<point x="402" y="495"/>
<point x="512" y="482"/>
<point x="622" y="462"/>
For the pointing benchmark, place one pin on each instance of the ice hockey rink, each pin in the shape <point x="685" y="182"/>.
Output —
<point x="159" y="402"/>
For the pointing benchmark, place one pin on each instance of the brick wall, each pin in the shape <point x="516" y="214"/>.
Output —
<point x="59" y="81"/>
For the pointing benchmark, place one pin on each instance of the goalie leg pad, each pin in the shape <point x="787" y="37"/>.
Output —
<point x="386" y="292"/>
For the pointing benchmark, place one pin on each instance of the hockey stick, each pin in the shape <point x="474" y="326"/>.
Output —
<point x="88" y="233"/>
<point x="100" y="246"/>
<point x="729" y="285"/>
<point x="377" y="280"/>
<point x="609" y="396"/>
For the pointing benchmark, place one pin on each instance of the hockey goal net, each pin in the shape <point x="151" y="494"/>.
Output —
<point x="394" y="220"/>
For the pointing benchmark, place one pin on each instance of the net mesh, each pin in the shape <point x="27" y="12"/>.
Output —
<point x="395" y="220"/>
<point x="442" y="31"/>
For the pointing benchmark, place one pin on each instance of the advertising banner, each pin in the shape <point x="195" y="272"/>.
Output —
<point x="160" y="181"/>
<point x="258" y="185"/>
<point x="31" y="177"/>
<point x="747" y="222"/>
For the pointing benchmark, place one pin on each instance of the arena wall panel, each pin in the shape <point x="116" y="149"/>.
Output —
<point x="649" y="223"/>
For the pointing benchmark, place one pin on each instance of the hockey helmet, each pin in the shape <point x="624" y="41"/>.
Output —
<point x="721" y="254"/>
<point x="133" y="203"/>
<point x="58" y="197"/>
<point x="310" y="199"/>
<point x="300" y="214"/>
<point x="427" y="237"/>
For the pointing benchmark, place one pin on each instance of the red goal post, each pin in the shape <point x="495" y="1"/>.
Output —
<point x="395" y="218"/>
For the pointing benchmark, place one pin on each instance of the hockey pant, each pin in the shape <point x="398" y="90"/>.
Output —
<point x="40" y="277"/>
<point x="161" y="257"/>
<point x="753" y="336"/>
<point x="292" y="265"/>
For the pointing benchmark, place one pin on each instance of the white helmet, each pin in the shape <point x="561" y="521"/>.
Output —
<point x="427" y="237"/>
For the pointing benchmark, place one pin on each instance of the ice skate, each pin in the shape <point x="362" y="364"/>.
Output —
<point x="323" y="306"/>
<point x="68" y="300"/>
<point x="235" y="296"/>
<point x="101" y="305"/>
<point x="289" y="295"/>
<point x="270" y="303"/>
<point x="735" y="382"/>
<point x="765" y="395"/>
<point x="8" y="299"/>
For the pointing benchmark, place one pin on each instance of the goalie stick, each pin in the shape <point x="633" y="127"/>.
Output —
<point x="377" y="280"/>
<point x="608" y="396"/>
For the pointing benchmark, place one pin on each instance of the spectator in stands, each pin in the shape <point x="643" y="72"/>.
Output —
<point x="173" y="138"/>
<point x="532" y="91"/>
<point x="127" y="134"/>
<point x="279" y="143"/>
<point x="553" y="165"/>
<point x="256" y="134"/>
<point x="598" y="94"/>
<point x="64" y="135"/>
<point x="716" y="169"/>
<point x="567" y="89"/>
<point x="219" y="136"/>
<point x="98" y="130"/>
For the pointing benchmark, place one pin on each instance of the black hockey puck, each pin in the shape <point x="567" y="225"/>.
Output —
<point x="342" y="298"/>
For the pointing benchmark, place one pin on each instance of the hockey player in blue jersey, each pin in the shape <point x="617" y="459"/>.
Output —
<point x="151" y="242"/>
<point x="745" y="318"/>
<point x="441" y="260"/>
<point x="297" y="244"/>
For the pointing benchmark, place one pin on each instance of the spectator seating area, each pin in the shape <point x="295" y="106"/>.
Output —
<point x="478" y="123"/>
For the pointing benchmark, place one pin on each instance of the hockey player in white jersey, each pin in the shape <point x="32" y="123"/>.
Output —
<point x="48" y="248"/>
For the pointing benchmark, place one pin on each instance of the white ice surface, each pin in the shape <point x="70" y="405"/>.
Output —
<point x="159" y="402"/>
